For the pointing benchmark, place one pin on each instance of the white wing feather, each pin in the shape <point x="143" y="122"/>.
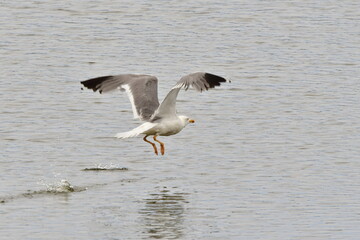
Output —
<point x="200" y="81"/>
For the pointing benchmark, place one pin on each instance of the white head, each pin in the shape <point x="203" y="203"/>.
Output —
<point x="186" y="120"/>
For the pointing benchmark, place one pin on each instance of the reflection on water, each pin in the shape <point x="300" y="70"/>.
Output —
<point x="163" y="214"/>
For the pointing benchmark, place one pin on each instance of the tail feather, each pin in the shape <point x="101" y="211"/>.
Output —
<point x="136" y="131"/>
<point x="128" y="134"/>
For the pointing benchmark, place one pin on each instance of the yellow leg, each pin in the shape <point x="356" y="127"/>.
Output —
<point x="153" y="144"/>
<point x="162" y="145"/>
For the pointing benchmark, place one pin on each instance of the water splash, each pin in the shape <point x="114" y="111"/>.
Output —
<point x="105" y="167"/>
<point x="60" y="187"/>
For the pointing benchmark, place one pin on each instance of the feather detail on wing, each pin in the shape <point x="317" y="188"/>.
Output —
<point x="199" y="81"/>
<point x="141" y="90"/>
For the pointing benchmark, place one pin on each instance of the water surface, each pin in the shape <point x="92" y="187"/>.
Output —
<point x="273" y="155"/>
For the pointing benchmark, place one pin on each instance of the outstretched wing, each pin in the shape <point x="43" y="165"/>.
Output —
<point x="141" y="90"/>
<point x="200" y="81"/>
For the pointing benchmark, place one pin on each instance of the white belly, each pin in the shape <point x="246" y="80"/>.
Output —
<point x="166" y="128"/>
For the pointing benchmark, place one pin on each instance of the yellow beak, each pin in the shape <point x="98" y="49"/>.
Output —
<point x="191" y="120"/>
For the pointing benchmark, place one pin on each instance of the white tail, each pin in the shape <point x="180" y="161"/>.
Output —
<point x="136" y="131"/>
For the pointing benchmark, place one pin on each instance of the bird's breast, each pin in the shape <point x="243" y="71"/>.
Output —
<point x="168" y="128"/>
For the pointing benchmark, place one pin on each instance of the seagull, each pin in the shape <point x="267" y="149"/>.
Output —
<point x="159" y="119"/>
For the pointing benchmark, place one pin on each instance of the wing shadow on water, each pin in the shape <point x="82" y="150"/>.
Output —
<point x="163" y="215"/>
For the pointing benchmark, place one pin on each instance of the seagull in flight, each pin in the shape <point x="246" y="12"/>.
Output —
<point x="159" y="119"/>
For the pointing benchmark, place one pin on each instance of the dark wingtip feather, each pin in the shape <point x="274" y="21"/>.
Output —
<point x="213" y="80"/>
<point x="94" y="83"/>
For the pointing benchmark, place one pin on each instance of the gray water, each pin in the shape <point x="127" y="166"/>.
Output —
<point x="273" y="155"/>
